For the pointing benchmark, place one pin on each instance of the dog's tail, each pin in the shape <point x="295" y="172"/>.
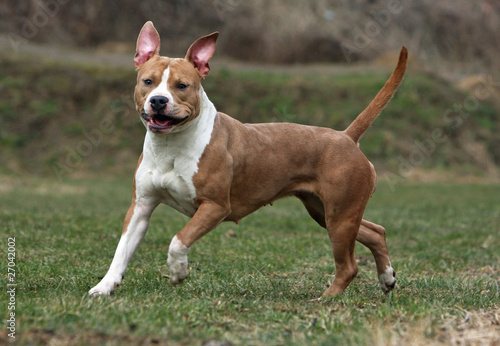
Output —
<point x="366" y="117"/>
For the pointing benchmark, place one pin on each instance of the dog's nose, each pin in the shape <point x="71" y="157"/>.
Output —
<point x="158" y="103"/>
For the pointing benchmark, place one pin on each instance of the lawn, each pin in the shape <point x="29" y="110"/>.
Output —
<point x="256" y="282"/>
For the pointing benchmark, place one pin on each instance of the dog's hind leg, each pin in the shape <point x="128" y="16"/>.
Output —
<point x="373" y="237"/>
<point x="370" y="235"/>
<point x="342" y="229"/>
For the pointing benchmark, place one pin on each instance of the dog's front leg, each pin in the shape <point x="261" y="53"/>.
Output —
<point x="206" y="218"/>
<point x="134" y="228"/>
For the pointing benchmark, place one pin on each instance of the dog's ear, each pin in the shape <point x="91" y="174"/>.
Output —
<point x="148" y="44"/>
<point x="201" y="51"/>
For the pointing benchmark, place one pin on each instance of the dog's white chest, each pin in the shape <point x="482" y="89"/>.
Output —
<point x="170" y="161"/>
<point x="169" y="179"/>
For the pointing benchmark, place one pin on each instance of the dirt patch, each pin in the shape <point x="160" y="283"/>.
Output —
<point x="48" y="337"/>
<point x="471" y="328"/>
<point x="476" y="328"/>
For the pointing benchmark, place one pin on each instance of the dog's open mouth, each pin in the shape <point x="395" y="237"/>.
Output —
<point x="161" y="122"/>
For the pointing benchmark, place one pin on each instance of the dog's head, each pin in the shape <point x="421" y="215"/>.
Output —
<point x="167" y="94"/>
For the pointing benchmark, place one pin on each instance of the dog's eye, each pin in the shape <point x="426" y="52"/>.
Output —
<point x="148" y="82"/>
<point x="181" y="86"/>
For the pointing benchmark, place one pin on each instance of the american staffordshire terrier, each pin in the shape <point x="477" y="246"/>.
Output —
<point x="213" y="168"/>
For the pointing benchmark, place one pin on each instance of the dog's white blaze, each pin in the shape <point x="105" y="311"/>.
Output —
<point x="171" y="160"/>
<point x="160" y="90"/>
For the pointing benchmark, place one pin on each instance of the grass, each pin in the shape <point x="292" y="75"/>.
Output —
<point x="258" y="287"/>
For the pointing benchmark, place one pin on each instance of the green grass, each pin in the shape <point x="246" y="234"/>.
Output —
<point x="258" y="287"/>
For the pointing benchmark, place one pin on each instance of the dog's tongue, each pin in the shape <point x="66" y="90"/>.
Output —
<point x="162" y="120"/>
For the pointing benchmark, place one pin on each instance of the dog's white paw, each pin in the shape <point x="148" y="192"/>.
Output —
<point x="178" y="271"/>
<point x="388" y="280"/>
<point x="177" y="261"/>
<point x="105" y="287"/>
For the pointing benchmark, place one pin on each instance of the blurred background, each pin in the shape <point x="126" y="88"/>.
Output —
<point x="67" y="77"/>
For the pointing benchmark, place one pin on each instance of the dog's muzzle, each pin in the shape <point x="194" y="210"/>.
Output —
<point x="159" y="122"/>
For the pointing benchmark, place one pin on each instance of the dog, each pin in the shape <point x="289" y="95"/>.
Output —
<point x="213" y="168"/>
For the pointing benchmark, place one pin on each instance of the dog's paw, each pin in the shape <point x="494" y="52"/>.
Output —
<point x="178" y="270"/>
<point x="388" y="280"/>
<point x="105" y="287"/>
<point x="177" y="261"/>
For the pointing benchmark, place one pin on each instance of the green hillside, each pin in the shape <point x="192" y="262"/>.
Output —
<point x="74" y="119"/>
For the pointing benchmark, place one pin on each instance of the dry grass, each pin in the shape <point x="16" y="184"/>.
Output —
<point x="467" y="328"/>
<point x="476" y="328"/>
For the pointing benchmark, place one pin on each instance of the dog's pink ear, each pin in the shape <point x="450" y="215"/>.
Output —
<point x="201" y="51"/>
<point x="148" y="44"/>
